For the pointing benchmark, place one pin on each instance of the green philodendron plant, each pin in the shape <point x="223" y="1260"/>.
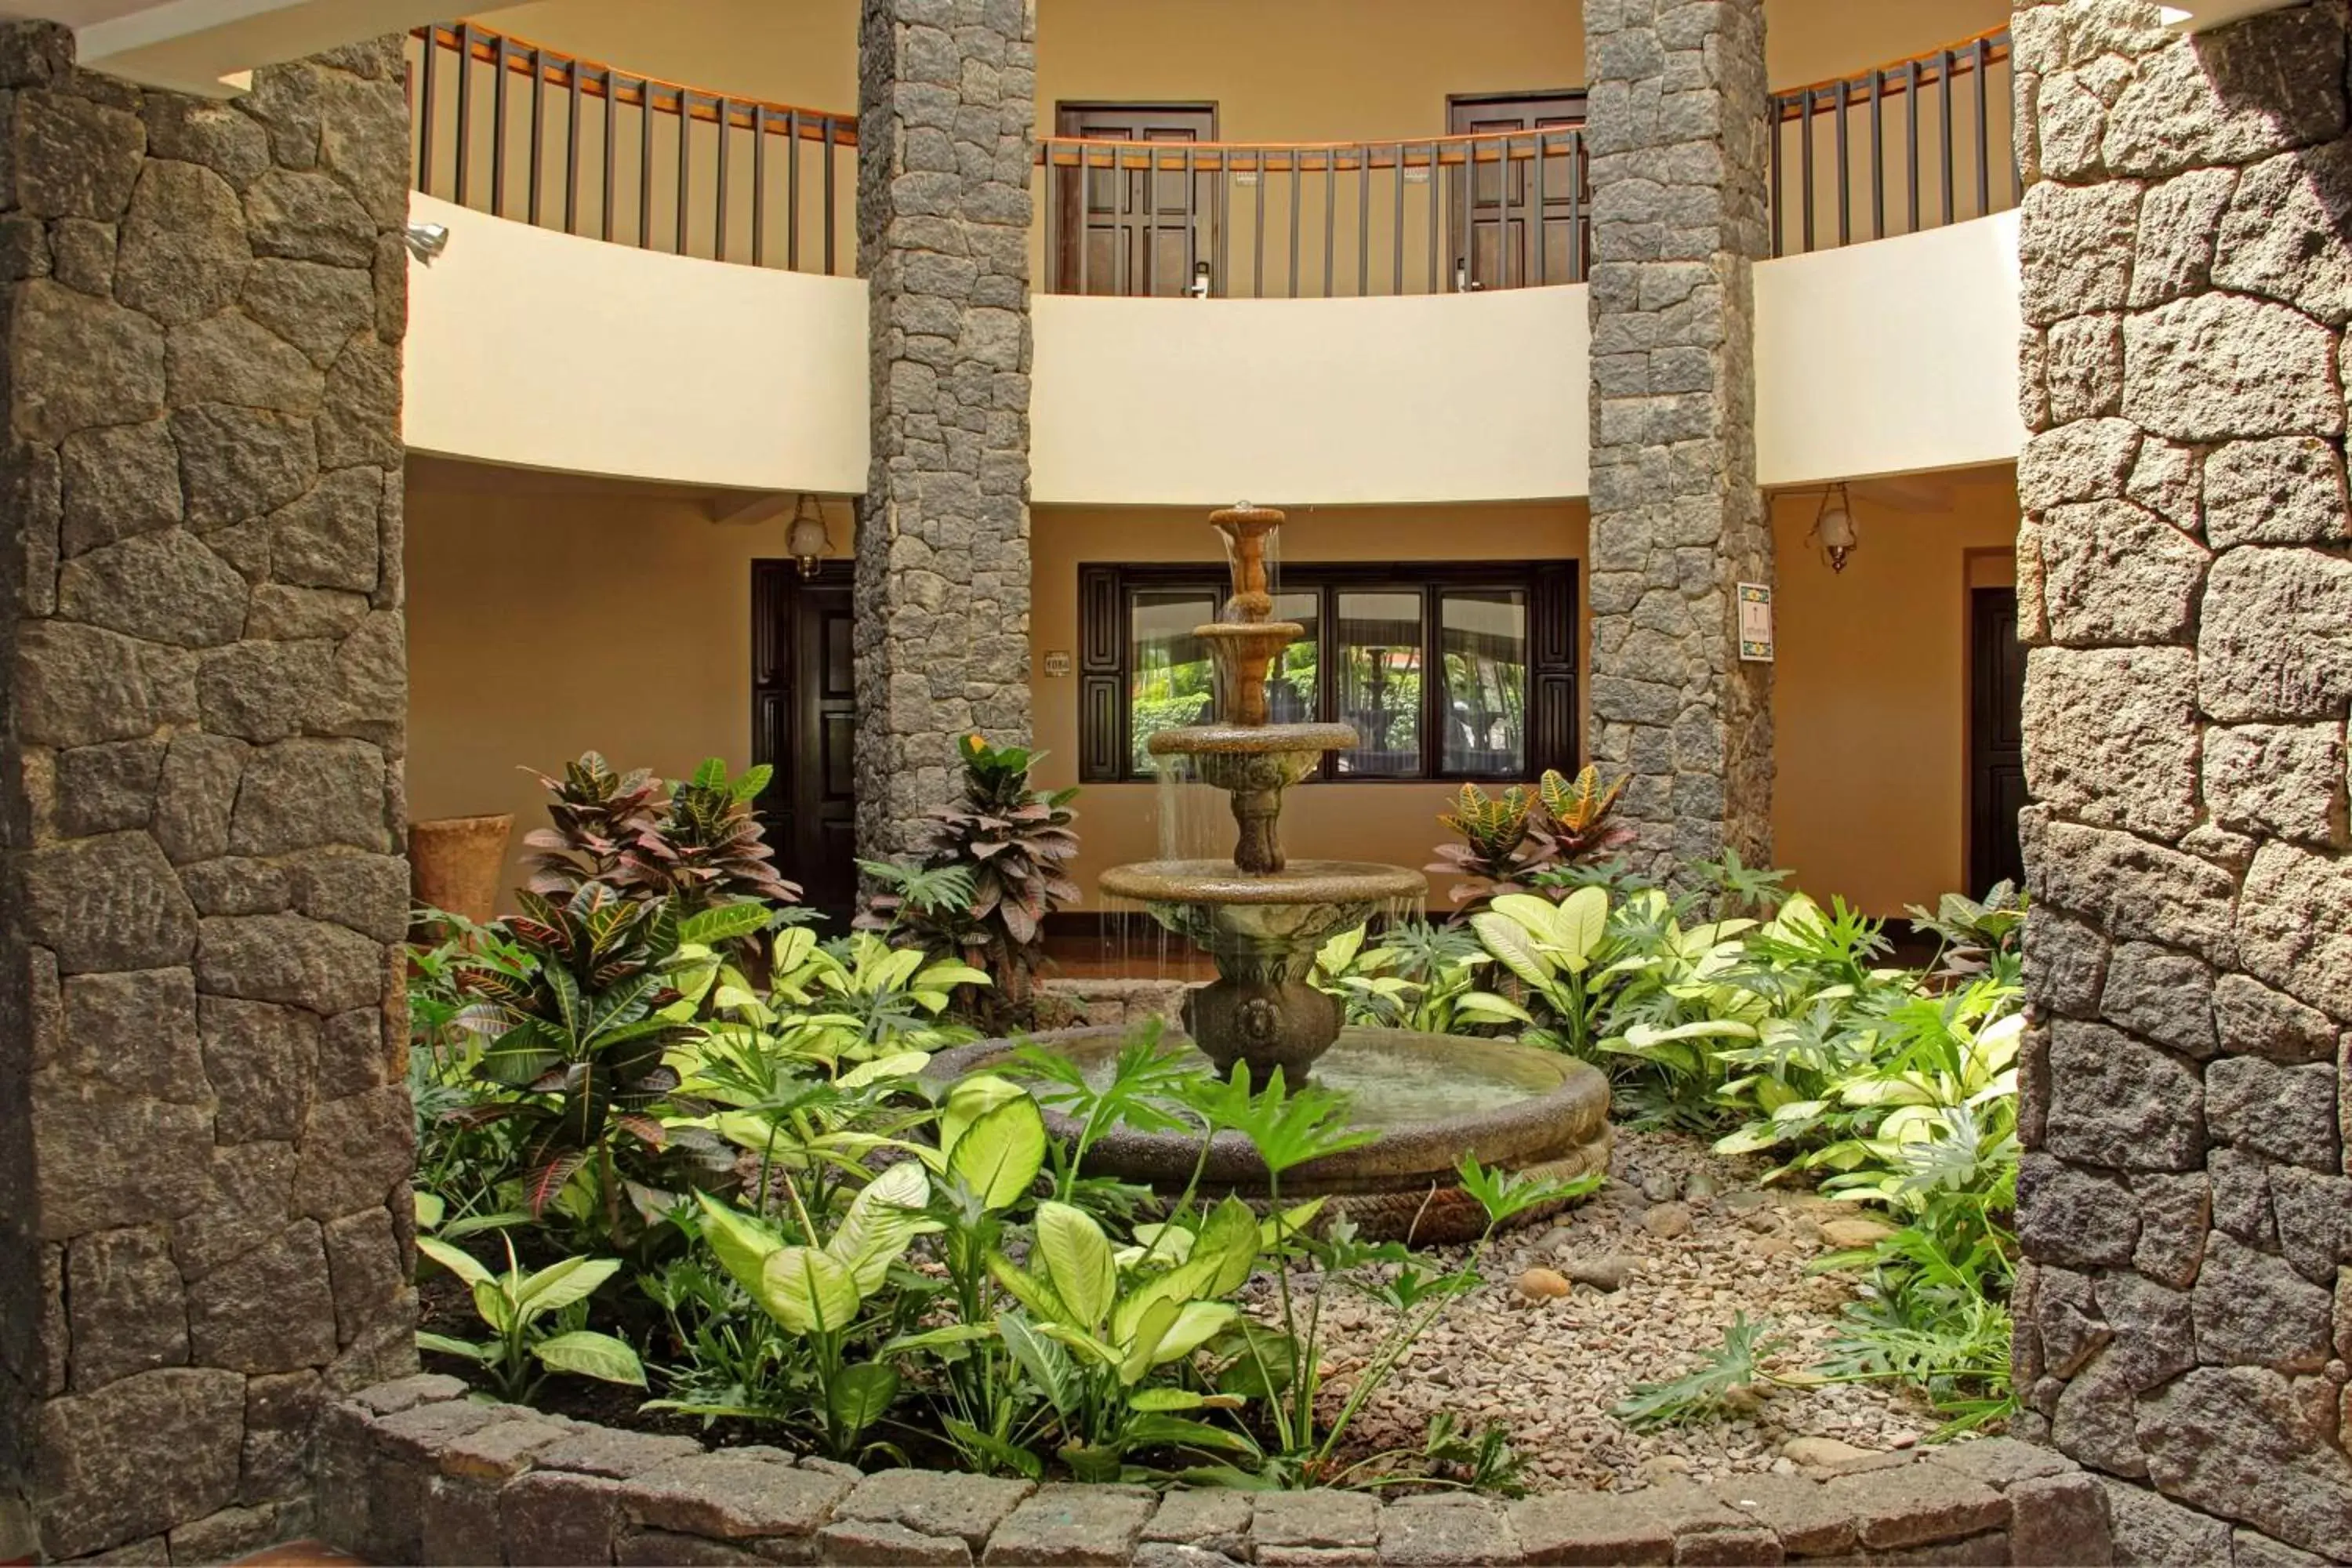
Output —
<point x="524" y="1345"/>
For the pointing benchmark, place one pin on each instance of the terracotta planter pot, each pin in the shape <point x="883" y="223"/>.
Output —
<point x="454" y="863"/>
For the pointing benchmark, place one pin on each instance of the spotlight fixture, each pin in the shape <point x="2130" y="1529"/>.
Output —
<point x="426" y="240"/>
<point x="807" y="538"/>
<point x="1834" y="531"/>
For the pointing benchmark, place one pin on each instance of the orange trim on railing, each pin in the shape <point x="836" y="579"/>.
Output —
<point x="1788" y="103"/>
<point x="635" y="89"/>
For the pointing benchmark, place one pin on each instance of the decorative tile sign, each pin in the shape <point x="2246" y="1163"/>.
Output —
<point x="1755" y="622"/>
<point x="1058" y="663"/>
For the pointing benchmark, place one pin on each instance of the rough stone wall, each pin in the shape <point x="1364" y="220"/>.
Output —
<point x="946" y="103"/>
<point x="205" y="1136"/>
<point x="2185" y="583"/>
<point x="1677" y="137"/>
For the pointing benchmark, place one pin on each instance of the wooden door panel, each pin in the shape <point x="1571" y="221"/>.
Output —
<point x="804" y="724"/>
<point x="1996" y="780"/>
<point x="1130" y="231"/>
<point x="1493" y="217"/>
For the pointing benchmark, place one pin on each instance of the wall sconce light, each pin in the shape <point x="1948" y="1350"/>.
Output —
<point x="1834" y="531"/>
<point x="807" y="540"/>
<point x="426" y="240"/>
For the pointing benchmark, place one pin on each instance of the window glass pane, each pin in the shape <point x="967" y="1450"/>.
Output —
<point x="1483" y="640"/>
<point x="1291" y="685"/>
<point x="1168" y="675"/>
<point x="1378" y="648"/>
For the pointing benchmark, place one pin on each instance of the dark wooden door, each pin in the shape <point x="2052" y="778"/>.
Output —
<point x="1507" y="233"/>
<point x="1996" y="738"/>
<point x="1132" y="231"/>
<point x="804" y="724"/>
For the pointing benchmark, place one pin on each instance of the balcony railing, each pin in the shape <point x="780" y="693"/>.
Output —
<point x="1920" y="144"/>
<point x="1322" y="220"/>
<point x="524" y="132"/>
<point x="521" y="130"/>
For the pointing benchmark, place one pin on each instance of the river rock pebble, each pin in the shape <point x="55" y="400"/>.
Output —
<point x="1549" y="1367"/>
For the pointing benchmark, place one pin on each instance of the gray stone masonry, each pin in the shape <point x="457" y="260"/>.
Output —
<point x="2184" y="1321"/>
<point x="411" y="1472"/>
<point x="1677" y="136"/>
<point x="946" y="103"/>
<point x="205" y="1138"/>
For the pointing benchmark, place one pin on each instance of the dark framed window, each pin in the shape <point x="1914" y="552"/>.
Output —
<point x="1455" y="670"/>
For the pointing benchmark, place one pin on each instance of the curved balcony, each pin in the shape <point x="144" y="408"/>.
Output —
<point x="1364" y="321"/>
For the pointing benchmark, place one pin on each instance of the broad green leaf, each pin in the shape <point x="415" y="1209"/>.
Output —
<point x="1279" y="1229"/>
<point x="1000" y="1154"/>
<point x="429" y="1210"/>
<point x="1139" y="1351"/>
<point x="712" y="927"/>
<point x="492" y="1304"/>
<point x="1079" y="1261"/>
<point x="1186" y="1283"/>
<point x="808" y="1291"/>
<point x="1485" y="1006"/>
<point x="1643" y="1036"/>
<point x="560" y="1284"/>
<point x="947" y="976"/>
<point x="457" y="1261"/>
<point x="969" y="1100"/>
<point x="447" y="1346"/>
<point x="940" y="1339"/>
<point x="1163" y="1245"/>
<point x="1162" y="1401"/>
<point x="742" y="1245"/>
<point x="1085" y="1343"/>
<point x="1046" y="1362"/>
<point x="1580" y="920"/>
<point x="1512" y="947"/>
<point x="1196" y="1324"/>
<point x="861" y="1393"/>
<point x="793" y="945"/>
<point x="592" y="1356"/>
<point x="898" y="1064"/>
<point x="1177" y="1432"/>
<point x="1230" y="1236"/>
<point x="885" y="1215"/>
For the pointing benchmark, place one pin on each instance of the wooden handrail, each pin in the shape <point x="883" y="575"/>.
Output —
<point x="634" y="89"/>
<point x="1789" y="102"/>
<point x="1305" y="157"/>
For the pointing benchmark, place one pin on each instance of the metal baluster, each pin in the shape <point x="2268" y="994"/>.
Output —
<point x="572" y="153"/>
<point x="793" y="190"/>
<point x="1877" y="154"/>
<point x="464" y="107"/>
<point x="759" y="185"/>
<point x="1191" y="219"/>
<point x="1224" y="218"/>
<point x="538" y="126"/>
<point x="685" y="166"/>
<point x="612" y="152"/>
<point x="1330" y="213"/>
<point x="645" y="164"/>
<point x="829" y="203"/>
<point x="1577" y="268"/>
<point x="1844" y="169"/>
<point x="499" y="130"/>
<point x="425" y="110"/>
<point x="1983" y="67"/>
<point x="1363" y="222"/>
<point x="2016" y="170"/>
<point x="1085" y="216"/>
<point x="1436" y="268"/>
<point x="1536" y="233"/>
<point x="1053" y="228"/>
<point x="1257" y="231"/>
<point x="1295" y="183"/>
<point x="1911" y="136"/>
<point x="1772" y="156"/>
<point x="1805" y="166"/>
<point x="1396" y="258"/>
<point x="1122" y="249"/>
<point x="1944" y="98"/>
<point x="1151" y="219"/>
<point x="719" y="233"/>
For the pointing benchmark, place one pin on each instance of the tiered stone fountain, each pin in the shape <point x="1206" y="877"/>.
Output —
<point x="1261" y="917"/>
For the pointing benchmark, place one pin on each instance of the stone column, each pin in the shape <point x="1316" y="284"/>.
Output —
<point x="1679" y="139"/>
<point x="946" y="109"/>
<point x="2185" y="583"/>
<point x="204" y="1135"/>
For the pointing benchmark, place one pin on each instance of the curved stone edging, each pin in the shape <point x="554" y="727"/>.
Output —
<point x="412" y="1472"/>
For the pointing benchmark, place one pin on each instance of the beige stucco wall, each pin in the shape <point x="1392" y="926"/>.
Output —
<point x="1278" y="69"/>
<point x="1870" y="700"/>
<point x="548" y="615"/>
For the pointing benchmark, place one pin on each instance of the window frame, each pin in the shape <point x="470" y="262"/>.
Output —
<point x="1554" y="637"/>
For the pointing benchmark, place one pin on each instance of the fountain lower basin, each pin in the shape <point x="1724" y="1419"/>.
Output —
<point x="1429" y="1098"/>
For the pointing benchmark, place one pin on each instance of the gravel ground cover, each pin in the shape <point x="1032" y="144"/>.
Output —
<point x="1654" y="1266"/>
